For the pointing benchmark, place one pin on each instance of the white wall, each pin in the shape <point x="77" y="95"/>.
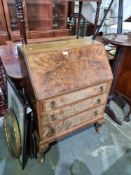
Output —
<point x="89" y="9"/>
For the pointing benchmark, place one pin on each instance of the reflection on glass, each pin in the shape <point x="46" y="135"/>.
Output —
<point x="41" y="14"/>
<point x="58" y="14"/>
<point x="38" y="14"/>
<point x="12" y="14"/>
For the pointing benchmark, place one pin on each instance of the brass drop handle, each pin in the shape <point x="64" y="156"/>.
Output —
<point x="51" y="131"/>
<point x="101" y="89"/>
<point x="96" y="113"/>
<point x="98" y="100"/>
<point x="53" y="117"/>
<point x="52" y="104"/>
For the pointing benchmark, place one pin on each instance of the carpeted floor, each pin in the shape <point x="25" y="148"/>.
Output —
<point x="83" y="153"/>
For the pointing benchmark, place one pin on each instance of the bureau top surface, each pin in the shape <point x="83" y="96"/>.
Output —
<point x="60" y="67"/>
<point x="52" y="46"/>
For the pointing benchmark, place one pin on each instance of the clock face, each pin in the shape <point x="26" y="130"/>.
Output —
<point x="15" y="123"/>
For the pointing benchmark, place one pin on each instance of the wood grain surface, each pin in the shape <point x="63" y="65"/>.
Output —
<point x="9" y="55"/>
<point x="73" y="109"/>
<point x="56" y="102"/>
<point x="65" y="133"/>
<point x="59" y="67"/>
<point x="62" y="126"/>
<point x="67" y="83"/>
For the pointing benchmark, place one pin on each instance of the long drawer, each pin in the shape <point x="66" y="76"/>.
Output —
<point x="73" y="109"/>
<point x="63" y="100"/>
<point x="55" y="128"/>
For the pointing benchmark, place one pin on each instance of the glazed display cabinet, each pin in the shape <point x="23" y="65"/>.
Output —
<point x="43" y="18"/>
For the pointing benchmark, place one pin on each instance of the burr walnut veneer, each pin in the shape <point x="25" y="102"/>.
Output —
<point x="67" y="84"/>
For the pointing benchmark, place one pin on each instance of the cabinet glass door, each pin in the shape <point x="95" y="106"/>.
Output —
<point x="39" y="14"/>
<point x="59" y="9"/>
<point x="12" y="14"/>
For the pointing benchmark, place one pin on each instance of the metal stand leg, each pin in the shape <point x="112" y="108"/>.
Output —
<point x="120" y="17"/>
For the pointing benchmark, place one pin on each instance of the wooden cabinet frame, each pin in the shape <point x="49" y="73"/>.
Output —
<point x="15" y="35"/>
<point x="3" y="29"/>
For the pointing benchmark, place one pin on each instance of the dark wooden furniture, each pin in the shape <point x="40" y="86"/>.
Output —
<point x="122" y="65"/>
<point x="50" y="21"/>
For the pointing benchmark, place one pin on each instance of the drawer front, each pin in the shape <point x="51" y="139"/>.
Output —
<point x="73" y="109"/>
<point x="63" y="100"/>
<point x="62" y="126"/>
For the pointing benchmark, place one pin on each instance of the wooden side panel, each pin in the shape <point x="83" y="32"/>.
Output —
<point x="123" y="84"/>
<point x="27" y="84"/>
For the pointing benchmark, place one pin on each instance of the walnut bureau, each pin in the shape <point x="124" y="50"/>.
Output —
<point x="67" y="84"/>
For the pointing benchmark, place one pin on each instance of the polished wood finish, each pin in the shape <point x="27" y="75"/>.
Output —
<point x="122" y="63"/>
<point x="75" y="96"/>
<point x="9" y="55"/>
<point x="118" y="39"/>
<point x="3" y="28"/>
<point x="2" y="18"/>
<point x="67" y="84"/>
<point x="42" y="78"/>
<point x="124" y="80"/>
<point x="122" y="72"/>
